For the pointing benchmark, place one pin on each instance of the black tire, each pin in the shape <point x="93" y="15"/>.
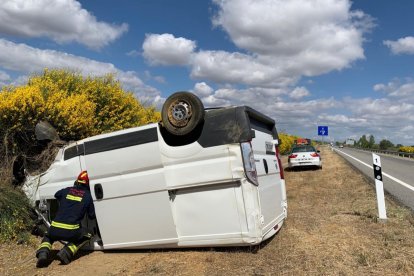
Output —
<point x="181" y="113"/>
<point x="18" y="170"/>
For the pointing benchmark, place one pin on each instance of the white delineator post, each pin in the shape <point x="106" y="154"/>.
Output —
<point x="379" y="187"/>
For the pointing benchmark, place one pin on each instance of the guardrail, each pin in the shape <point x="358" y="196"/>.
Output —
<point x="398" y="153"/>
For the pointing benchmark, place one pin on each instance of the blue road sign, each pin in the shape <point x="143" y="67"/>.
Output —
<point x="323" y="130"/>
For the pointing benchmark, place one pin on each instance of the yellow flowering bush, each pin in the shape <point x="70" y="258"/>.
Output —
<point x="20" y="108"/>
<point x="287" y="141"/>
<point x="406" y="149"/>
<point x="72" y="115"/>
<point x="75" y="105"/>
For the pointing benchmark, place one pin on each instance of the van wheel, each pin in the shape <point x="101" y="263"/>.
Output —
<point x="182" y="112"/>
<point x="18" y="170"/>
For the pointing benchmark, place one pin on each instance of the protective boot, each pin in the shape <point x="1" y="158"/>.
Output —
<point x="42" y="254"/>
<point x="65" y="255"/>
<point x="42" y="259"/>
<point x="68" y="252"/>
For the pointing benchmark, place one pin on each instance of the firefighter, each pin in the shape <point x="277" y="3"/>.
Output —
<point x="74" y="203"/>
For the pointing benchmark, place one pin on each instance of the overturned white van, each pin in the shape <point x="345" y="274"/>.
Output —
<point x="218" y="183"/>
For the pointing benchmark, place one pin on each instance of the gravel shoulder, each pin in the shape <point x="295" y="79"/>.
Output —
<point x="331" y="229"/>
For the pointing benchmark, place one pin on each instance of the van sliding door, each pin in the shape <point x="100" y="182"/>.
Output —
<point x="129" y="190"/>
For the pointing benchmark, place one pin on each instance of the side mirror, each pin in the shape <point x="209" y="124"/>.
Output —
<point x="45" y="131"/>
<point x="318" y="151"/>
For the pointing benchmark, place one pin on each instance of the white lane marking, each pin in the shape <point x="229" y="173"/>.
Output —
<point x="383" y="173"/>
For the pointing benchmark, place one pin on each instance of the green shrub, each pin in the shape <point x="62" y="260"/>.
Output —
<point x="15" y="221"/>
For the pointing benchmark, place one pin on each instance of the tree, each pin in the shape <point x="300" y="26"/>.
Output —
<point x="371" y="142"/>
<point x="385" y="144"/>
<point x="363" y="142"/>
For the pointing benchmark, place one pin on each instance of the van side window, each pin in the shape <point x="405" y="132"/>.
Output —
<point x="74" y="151"/>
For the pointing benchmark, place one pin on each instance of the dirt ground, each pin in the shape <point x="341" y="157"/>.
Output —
<point x="331" y="229"/>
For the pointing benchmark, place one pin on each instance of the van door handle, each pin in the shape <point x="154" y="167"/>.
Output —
<point x="265" y="166"/>
<point x="98" y="191"/>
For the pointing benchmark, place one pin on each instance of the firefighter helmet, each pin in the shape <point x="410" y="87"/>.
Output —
<point x="83" y="178"/>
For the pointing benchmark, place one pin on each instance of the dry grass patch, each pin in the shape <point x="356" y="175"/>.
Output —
<point x="331" y="230"/>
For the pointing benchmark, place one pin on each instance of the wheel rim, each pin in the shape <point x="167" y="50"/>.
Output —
<point x="179" y="113"/>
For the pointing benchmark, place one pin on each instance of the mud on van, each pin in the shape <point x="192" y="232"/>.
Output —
<point x="198" y="178"/>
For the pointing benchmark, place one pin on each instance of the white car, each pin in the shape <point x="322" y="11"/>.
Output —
<point x="304" y="156"/>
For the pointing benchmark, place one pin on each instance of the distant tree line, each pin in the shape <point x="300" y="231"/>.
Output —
<point x="385" y="144"/>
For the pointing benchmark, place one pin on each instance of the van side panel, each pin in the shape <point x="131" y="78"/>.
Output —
<point x="135" y="209"/>
<point x="61" y="174"/>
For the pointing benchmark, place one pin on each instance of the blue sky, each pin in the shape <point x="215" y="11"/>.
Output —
<point x="348" y="65"/>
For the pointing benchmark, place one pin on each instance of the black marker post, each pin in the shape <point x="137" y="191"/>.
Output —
<point x="379" y="187"/>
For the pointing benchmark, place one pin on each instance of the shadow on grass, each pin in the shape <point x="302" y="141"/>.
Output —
<point x="53" y="256"/>
<point x="253" y="249"/>
<point x="303" y="169"/>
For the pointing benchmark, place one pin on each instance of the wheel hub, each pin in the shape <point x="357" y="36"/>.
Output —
<point x="179" y="113"/>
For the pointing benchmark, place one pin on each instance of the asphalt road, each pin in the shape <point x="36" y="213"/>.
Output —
<point x="397" y="172"/>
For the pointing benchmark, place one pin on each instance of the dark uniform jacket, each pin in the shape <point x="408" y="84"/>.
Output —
<point x="74" y="203"/>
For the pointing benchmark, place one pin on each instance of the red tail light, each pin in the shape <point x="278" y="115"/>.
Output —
<point x="282" y="174"/>
<point x="293" y="156"/>
<point x="314" y="154"/>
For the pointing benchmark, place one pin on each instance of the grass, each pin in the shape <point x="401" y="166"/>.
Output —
<point x="15" y="221"/>
<point x="331" y="230"/>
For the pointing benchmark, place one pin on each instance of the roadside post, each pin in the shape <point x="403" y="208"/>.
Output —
<point x="379" y="187"/>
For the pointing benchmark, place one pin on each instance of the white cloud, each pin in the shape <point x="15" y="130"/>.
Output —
<point x="397" y="88"/>
<point x="23" y="58"/>
<point x="225" y="67"/>
<point x="133" y="53"/>
<point x="403" y="45"/>
<point x="60" y="20"/>
<point x="383" y="118"/>
<point x="380" y="108"/>
<point x="271" y="101"/>
<point x="202" y="89"/>
<point x="391" y="118"/>
<point x="340" y="119"/>
<point x="307" y="37"/>
<point x="279" y="41"/>
<point x="149" y="76"/>
<point x="4" y="76"/>
<point x="299" y="93"/>
<point x="165" y="49"/>
<point x="408" y="128"/>
<point x="6" y="79"/>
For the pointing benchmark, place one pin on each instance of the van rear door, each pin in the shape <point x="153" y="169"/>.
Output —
<point x="271" y="186"/>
